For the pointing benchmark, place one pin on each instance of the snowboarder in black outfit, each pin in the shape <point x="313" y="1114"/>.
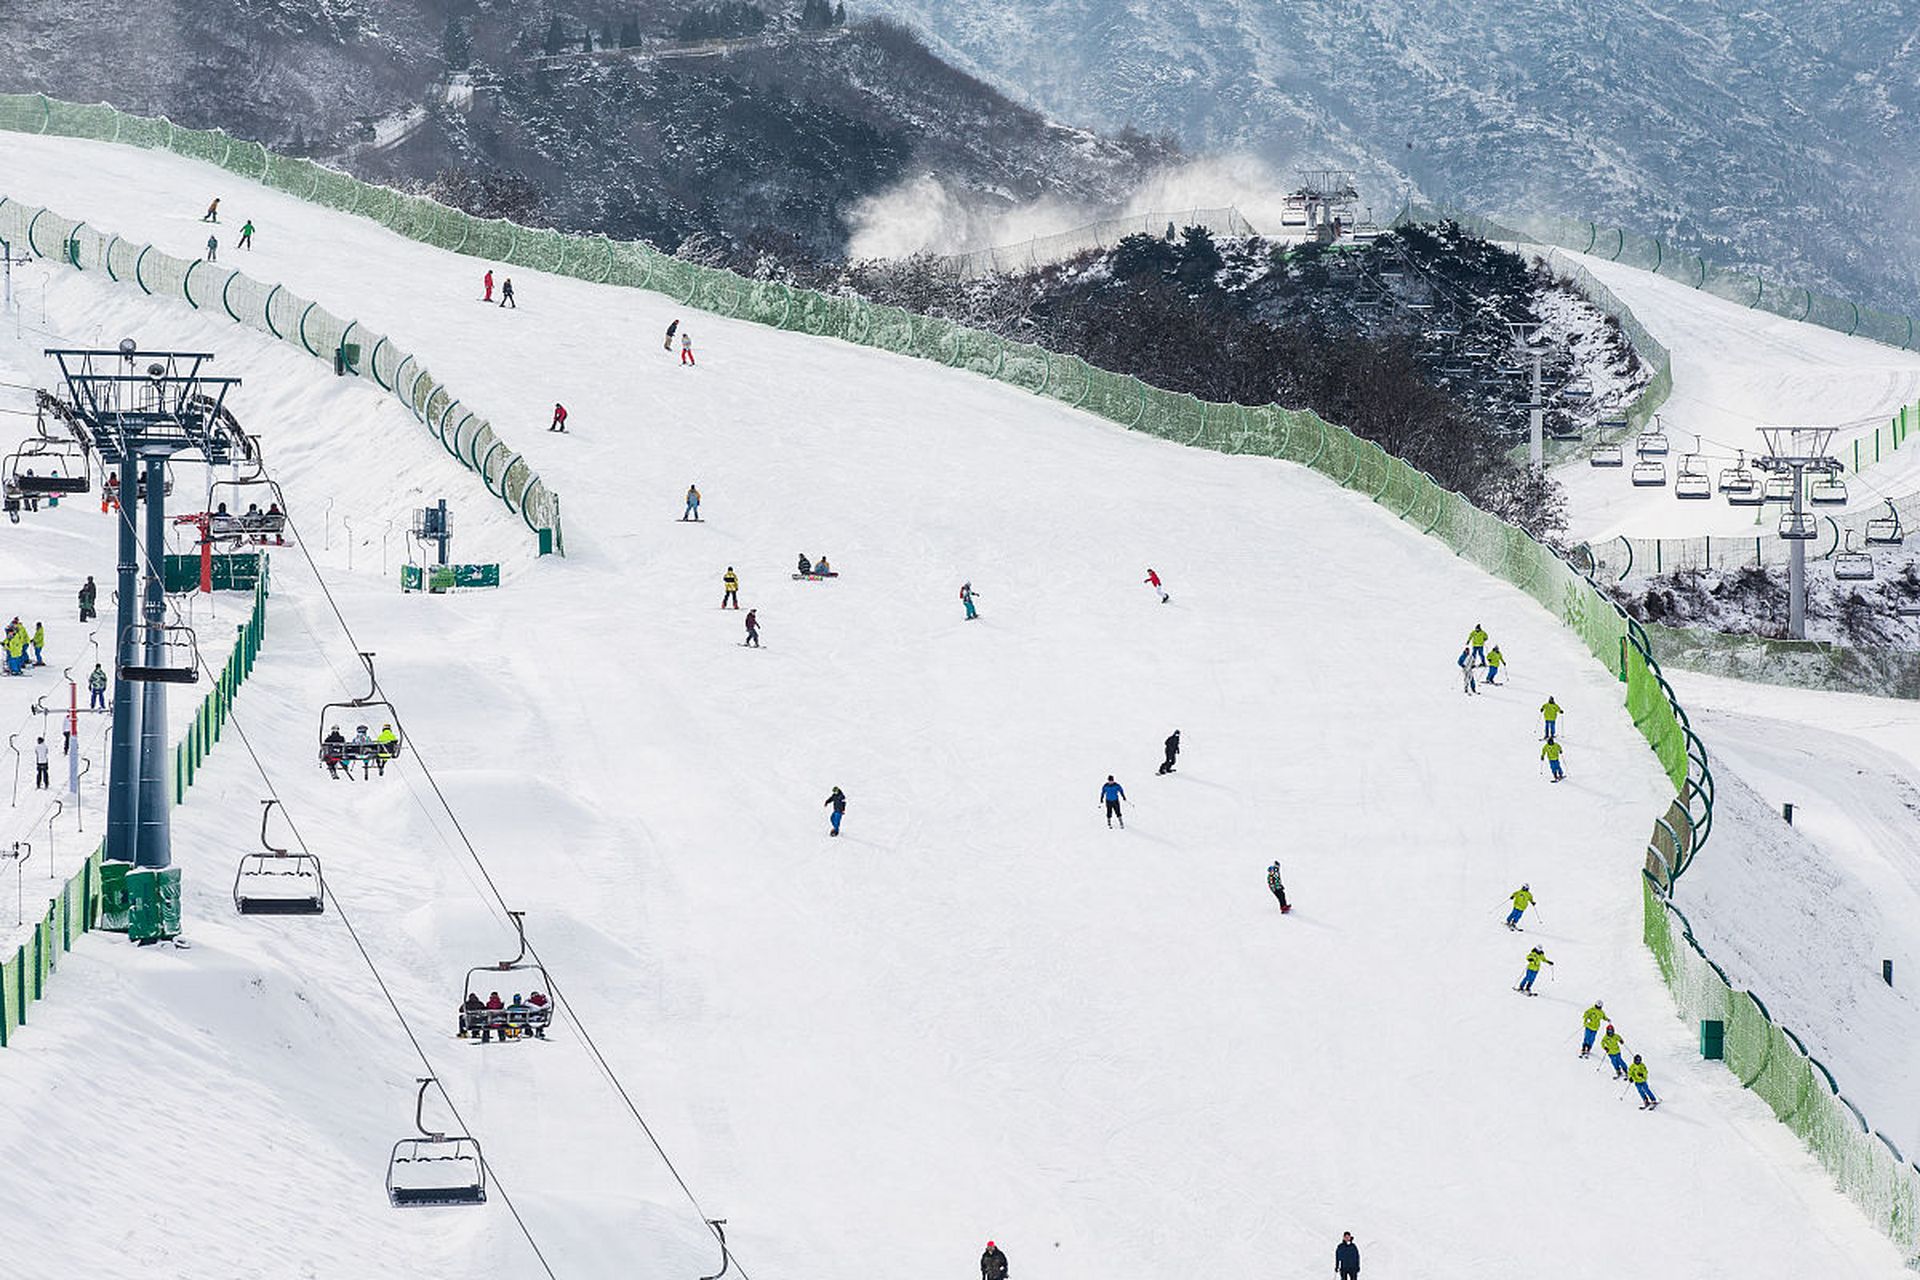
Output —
<point x="1346" y="1257"/>
<point x="1173" y="752"/>
<point x="1279" y="889"/>
<point x="838" y="803"/>
<point x="672" y="328"/>
<point x="506" y="294"/>
<point x="89" y="597"/>
<point x="753" y="629"/>
<point x="993" y="1263"/>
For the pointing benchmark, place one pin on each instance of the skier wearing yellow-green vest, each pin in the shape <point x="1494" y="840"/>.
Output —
<point x="1535" y="958"/>
<point x="1522" y="898"/>
<point x="1478" y="639"/>
<point x="1610" y="1044"/>
<point x="1637" y="1075"/>
<point x="1549" y="712"/>
<point x="1550" y="752"/>
<point x="1494" y="663"/>
<point x="1591" y="1021"/>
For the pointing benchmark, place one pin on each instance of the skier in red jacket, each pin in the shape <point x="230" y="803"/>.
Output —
<point x="486" y="282"/>
<point x="1153" y="580"/>
<point x="559" y="418"/>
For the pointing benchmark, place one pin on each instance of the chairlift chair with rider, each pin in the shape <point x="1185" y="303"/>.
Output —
<point x="509" y="1022"/>
<point x="362" y="712"/>
<point x="253" y="522"/>
<point x="177" y="660"/>
<point x="1850" y="565"/>
<point x="433" y="1168"/>
<point x="48" y="468"/>
<point x="278" y="883"/>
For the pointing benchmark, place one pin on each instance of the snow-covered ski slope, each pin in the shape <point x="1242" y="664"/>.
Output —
<point x="979" y="1014"/>
<point x="1736" y="369"/>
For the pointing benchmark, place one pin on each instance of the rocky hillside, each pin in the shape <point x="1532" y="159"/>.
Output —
<point x="743" y="127"/>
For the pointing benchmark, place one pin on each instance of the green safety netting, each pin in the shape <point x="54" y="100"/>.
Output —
<point x="1771" y="1060"/>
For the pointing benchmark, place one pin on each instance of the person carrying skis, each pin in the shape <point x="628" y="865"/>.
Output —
<point x="97" y="689"/>
<point x="39" y="644"/>
<point x="1153" y="580"/>
<point x="89" y="597"/>
<point x="486" y="285"/>
<point x="1279" y="889"/>
<point x="1535" y="958"/>
<point x="838" y="803"/>
<point x="1550" y="752"/>
<point x="1111" y="795"/>
<point x="1590" y="1022"/>
<point x="753" y="628"/>
<point x="1637" y="1076"/>
<point x="506" y="294"/>
<point x="1172" y="745"/>
<point x="1610" y="1044"/>
<point x="1494" y="663"/>
<point x="40" y="782"/>
<point x="966" y="599"/>
<point x="1522" y="898"/>
<point x="993" y="1263"/>
<point x="1477" y="641"/>
<point x="672" y="326"/>
<point x="1465" y="661"/>
<point x="1550" y="716"/>
<point x="213" y="211"/>
<point x="213" y="248"/>
<point x="686" y="347"/>
<point x="693" y="503"/>
<point x="1346" y="1258"/>
<point x="731" y="582"/>
<point x="559" y="422"/>
<point x="246" y="235"/>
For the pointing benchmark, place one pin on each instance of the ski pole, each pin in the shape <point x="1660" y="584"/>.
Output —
<point x="1537" y="917"/>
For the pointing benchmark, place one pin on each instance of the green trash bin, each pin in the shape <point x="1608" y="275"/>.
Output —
<point x="153" y="903"/>
<point x="1713" y="1039"/>
<point x="113" y="896"/>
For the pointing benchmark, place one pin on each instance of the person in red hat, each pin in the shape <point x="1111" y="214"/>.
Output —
<point x="993" y="1263"/>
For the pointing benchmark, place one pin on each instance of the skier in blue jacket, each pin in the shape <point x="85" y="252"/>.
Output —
<point x="1111" y="795"/>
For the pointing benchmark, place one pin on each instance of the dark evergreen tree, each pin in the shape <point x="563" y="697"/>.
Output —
<point x="816" y="15"/>
<point x="840" y="14"/>
<point x="556" y="37"/>
<point x="456" y="45"/>
<point x="1200" y="260"/>
<point x="630" y="34"/>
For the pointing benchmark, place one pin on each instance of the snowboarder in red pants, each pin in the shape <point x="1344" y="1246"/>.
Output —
<point x="486" y="282"/>
<point x="686" y="347"/>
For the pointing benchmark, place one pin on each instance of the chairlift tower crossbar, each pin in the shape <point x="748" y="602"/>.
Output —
<point x="136" y="410"/>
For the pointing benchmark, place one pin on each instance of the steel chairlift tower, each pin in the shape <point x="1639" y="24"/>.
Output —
<point x="1793" y="452"/>
<point x="1528" y="350"/>
<point x="137" y="410"/>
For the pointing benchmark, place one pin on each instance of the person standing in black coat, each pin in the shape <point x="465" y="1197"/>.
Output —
<point x="993" y="1263"/>
<point x="1346" y="1257"/>
<point x="1173" y="752"/>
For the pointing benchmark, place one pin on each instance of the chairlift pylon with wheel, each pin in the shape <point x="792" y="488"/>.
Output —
<point x="178" y="659"/>
<point x="511" y="1021"/>
<point x="1850" y="565"/>
<point x="433" y="1168"/>
<point x="337" y="750"/>
<point x="278" y="883"/>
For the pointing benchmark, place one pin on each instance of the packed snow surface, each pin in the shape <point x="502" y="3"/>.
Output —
<point x="979" y="1013"/>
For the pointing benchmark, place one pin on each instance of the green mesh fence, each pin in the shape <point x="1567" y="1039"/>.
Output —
<point x="1771" y="1060"/>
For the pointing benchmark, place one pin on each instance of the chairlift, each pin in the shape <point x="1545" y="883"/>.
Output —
<point x="1617" y="422"/>
<point x="1579" y="391"/>
<point x="174" y="656"/>
<point x="1828" y="491"/>
<point x="1737" y="478"/>
<point x="1692" y="482"/>
<point x="434" y="1169"/>
<point x="45" y="467"/>
<point x="512" y="1021"/>
<point x="1799" y="526"/>
<point x="1607" y="455"/>
<point x="1850" y="565"/>
<point x="278" y="883"/>
<point x="252" y="523"/>
<point x="1778" y="489"/>
<point x="1885" y="531"/>
<point x="1564" y="429"/>
<point x="1651" y="444"/>
<point x="341" y="750"/>
<point x="1649" y="475"/>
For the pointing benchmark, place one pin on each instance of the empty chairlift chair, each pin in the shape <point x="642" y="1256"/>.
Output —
<point x="278" y="883"/>
<point x="161" y="654"/>
<point x="1692" y="480"/>
<point x="1799" y="526"/>
<point x="1850" y="565"/>
<point x="1739" y="484"/>
<point x="374" y="748"/>
<point x="1778" y="489"/>
<point x="1649" y="474"/>
<point x="1885" y="531"/>
<point x="1827" y="490"/>
<point x="1607" y="455"/>
<point x="1577" y="391"/>
<point x="1651" y="444"/>
<point x="433" y="1168"/>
